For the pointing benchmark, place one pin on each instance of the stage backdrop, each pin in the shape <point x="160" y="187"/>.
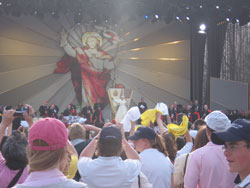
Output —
<point x="226" y="94"/>
<point x="152" y="59"/>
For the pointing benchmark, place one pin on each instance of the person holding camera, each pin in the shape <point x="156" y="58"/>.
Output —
<point x="108" y="170"/>
<point x="13" y="159"/>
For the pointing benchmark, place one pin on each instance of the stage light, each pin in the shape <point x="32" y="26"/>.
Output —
<point x="237" y="20"/>
<point x="177" y="18"/>
<point x="217" y="7"/>
<point x="228" y="19"/>
<point x="202" y="29"/>
<point x="201" y="6"/>
<point x="146" y="17"/>
<point x="187" y="7"/>
<point x="156" y="16"/>
<point x="187" y="18"/>
<point x="0" y="3"/>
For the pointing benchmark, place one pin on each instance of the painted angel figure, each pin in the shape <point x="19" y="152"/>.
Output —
<point x="92" y="69"/>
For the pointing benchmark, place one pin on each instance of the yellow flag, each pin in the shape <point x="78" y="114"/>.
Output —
<point x="149" y="116"/>
<point x="178" y="130"/>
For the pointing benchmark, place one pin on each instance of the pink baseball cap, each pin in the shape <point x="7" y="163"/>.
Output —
<point x="51" y="131"/>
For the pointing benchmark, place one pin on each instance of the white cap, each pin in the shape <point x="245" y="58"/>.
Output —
<point x="82" y="120"/>
<point x="217" y="121"/>
<point x="162" y="107"/>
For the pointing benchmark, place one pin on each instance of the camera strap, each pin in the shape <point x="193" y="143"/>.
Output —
<point x="16" y="178"/>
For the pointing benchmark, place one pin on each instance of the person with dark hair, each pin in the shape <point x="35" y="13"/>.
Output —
<point x="13" y="160"/>
<point x="236" y="141"/>
<point x="53" y="111"/>
<point x="196" y="110"/>
<point x="198" y="124"/>
<point x="109" y="170"/>
<point x="43" y="109"/>
<point x="208" y="167"/>
<point x="155" y="162"/>
<point x="188" y="112"/>
<point x="97" y="117"/>
<point x="142" y="105"/>
<point x="87" y="113"/>
<point x="173" y="112"/>
<point x="68" y="110"/>
<point x="205" y="111"/>
<point x="13" y="149"/>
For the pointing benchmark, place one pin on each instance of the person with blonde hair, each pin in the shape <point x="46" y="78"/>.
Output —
<point x="47" y="150"/>
<point x="77" y="136"/>
<point x="155" y="162"/>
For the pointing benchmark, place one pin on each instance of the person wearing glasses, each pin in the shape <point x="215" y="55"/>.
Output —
<point x="236" y="146"/>
<point x="207" y="166"/>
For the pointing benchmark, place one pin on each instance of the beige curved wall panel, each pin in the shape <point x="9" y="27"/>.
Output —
<point x="29" y="29"/>
<point x="24" y="92"/>
<point x="169" y="83"/>
<point x="17" y="78"/>
<point x="180" y="68"/>
<point x="49" y="92"/>
<point x="14" y="47"/>
<point x="11" y="62"/>
<point x="151" y="93"/>
<point x="177" y="51"/>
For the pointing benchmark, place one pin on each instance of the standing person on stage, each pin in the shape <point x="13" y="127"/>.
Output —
<point x="208" y="167"/>
<point x="205" y="111"/>
<point x="43" y="109"/>
<point x="87" y="113"/>
<point x="97" y="117"/>
<point x="236" y="141"/>
<point x="53" y="111"/>
<point x="196" y="110"/>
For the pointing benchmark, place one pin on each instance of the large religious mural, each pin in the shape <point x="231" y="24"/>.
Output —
<point x="90" y="53"/>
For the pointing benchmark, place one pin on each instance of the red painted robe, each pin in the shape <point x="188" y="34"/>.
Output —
<point x="94" y="81"/>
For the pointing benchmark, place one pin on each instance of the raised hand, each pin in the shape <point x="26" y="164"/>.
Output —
<point x="8" y="117"/>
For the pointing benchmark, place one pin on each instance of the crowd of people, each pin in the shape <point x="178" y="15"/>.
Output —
<point x="150" y="148"/>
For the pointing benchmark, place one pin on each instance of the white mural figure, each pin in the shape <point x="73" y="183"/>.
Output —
<point x="122" y="108"/>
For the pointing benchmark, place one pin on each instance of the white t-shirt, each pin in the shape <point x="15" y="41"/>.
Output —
<point x="68" y="183"/>
<point x="108" y="172"/>
<point x="157" y="168"/>
<point x="186" y="149"/>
